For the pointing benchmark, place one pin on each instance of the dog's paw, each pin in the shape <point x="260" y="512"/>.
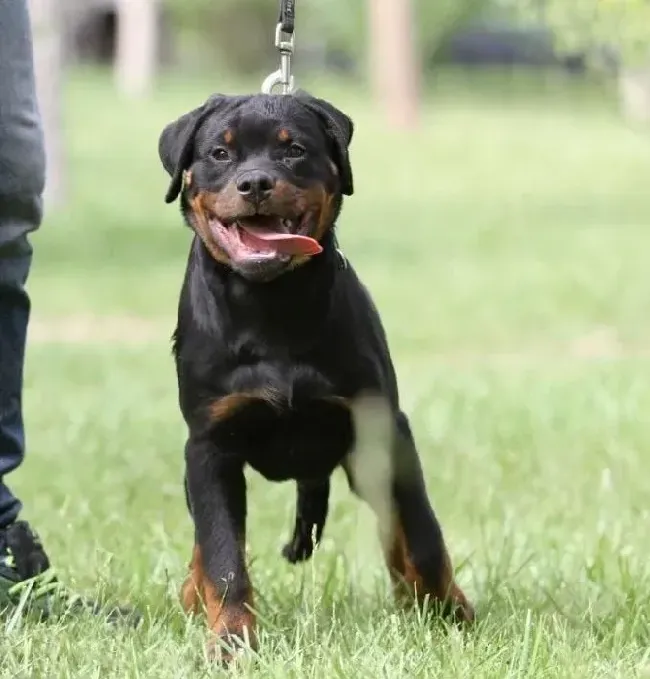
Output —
<point x="232" y="642"/>
<point x="454" y="607"/>
<point x="299" y="549"/>
<point x="228" y="648"/>
<point x="458" y="608"/>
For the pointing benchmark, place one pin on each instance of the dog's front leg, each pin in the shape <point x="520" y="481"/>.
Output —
<point x="311" y="513"/>
<point x="217" y="491"/>
<point x="413" y="542"/>
<point x="416" y="552"/>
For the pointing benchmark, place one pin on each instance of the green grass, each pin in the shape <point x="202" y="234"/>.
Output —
<point x="506" y="244"/>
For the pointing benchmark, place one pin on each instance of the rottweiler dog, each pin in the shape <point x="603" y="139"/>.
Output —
<point x="276" y="338"/>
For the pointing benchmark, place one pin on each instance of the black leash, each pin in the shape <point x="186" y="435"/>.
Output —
<point x="287" y="16"/>
<point x="284" y="42"/>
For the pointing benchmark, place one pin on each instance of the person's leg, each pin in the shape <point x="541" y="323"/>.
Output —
<point x="23" y="561"/>
<point x="22" y="177"/>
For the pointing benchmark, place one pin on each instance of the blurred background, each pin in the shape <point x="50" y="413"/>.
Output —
<point x="397" y="47"/>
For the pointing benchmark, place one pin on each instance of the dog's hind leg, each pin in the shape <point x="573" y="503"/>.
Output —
<point x="311" y="514"/>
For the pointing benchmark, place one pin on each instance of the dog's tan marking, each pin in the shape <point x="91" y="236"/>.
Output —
<point x="224" y="619"/>
<point x="202" y="228"/>
<point x="321" y="205"/>
<point x="192" y="589"/>
<point x="229" y="405"/>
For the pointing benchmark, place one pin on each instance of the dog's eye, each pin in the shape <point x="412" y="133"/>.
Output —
<point x="295" y="151"/>
<point x="221" y="153"/>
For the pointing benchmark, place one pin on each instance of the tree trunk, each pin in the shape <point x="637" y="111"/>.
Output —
<point x="137" y="46"/>
<point x="48" y="61"/>
<point x="394" y="60"/>
<point x="634" y="93"/>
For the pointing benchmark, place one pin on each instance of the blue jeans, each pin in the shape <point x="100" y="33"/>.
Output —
<point x="22" y="177"/>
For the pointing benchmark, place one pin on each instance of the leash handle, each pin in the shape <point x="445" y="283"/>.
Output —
<point x="284" y="42"/>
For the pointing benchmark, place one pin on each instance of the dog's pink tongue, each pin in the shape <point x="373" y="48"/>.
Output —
<point x="284" y="243"/>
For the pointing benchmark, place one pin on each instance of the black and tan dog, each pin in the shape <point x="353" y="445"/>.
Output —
<point x="276" y="337"/>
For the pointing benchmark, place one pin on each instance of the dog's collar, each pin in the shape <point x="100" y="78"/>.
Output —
<point x="342" y="259"/>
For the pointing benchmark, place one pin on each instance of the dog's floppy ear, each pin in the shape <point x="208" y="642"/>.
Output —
<point x="339" y="128"/>
<point x="176" y="144"/>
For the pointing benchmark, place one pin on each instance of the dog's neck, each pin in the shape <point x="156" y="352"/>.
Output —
<point x="293" y="302"/>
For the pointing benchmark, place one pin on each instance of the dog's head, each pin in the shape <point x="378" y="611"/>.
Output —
<point x="261" y="177"/>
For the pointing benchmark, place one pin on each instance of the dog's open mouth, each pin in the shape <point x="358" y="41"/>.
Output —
<point x="262" y="237"/>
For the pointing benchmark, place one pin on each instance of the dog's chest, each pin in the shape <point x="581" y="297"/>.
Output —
<point x="287" y="421"/>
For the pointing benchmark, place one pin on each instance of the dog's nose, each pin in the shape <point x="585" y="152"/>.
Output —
<point x="255" y="185"/>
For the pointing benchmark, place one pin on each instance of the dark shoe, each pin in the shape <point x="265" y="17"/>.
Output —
<point x="29" y="583"/>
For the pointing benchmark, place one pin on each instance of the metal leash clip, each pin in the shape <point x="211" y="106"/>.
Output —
<point x="283" y="76"/>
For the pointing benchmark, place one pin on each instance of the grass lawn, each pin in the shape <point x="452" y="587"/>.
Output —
<point x="506" y="243"/>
